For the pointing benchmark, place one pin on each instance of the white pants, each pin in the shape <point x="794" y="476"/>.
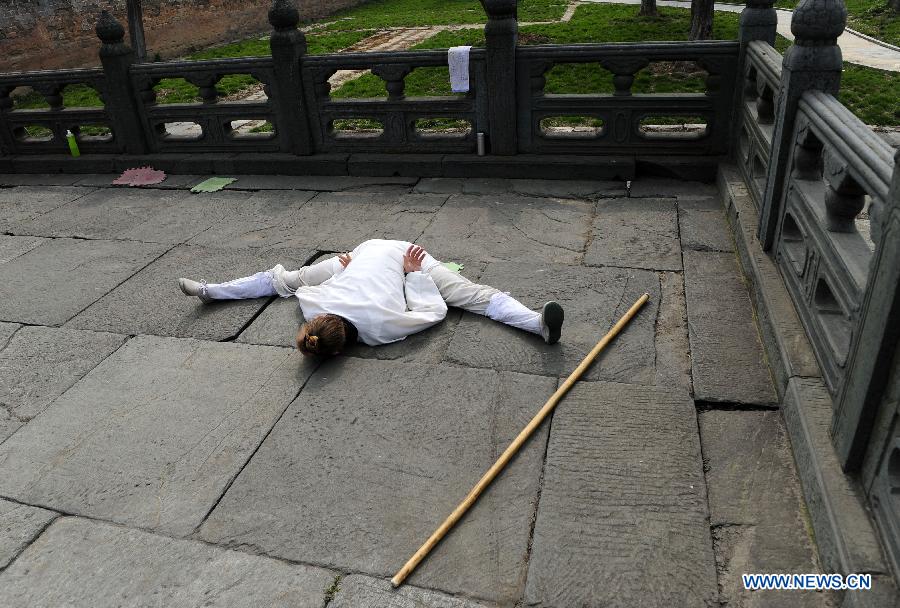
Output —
<point x="456" y="290"/>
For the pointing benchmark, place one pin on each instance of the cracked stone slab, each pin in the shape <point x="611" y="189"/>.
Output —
<point x="593" y="299"/>
<point x="12" y="247"/>
<point x="331" y="221"/>
<point x="586" y="189"/>
<point x="87" y="564"/>
<point x="19" y="525"/>
<point x="22" y="204"/>
<point x="56" y="280"/>
<point x="277" y="326"/>
<point x="703" y="225"/>
<point x="6" y="332"/>
<point x="41" y="363"/>
<point x="509" y="227"/>
<point x="684" y="190"/>
<point x="622" y="519"/>
<point x="727" y="358"/>
<point x="162" y="216"/>
<point x="358" y="591"/>
<point x="373" y="455"/>
<point x="259" y="219"/>
<point x="153" y="435"/>
<point x="756" y="506"/>
<point x="673" y="361"/>
<point x="150" y="302"/>
<point x="633" y="233"/>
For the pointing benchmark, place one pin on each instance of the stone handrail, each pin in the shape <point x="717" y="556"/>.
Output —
<point x="57" y="119"/>
<point x="623" y="112"/>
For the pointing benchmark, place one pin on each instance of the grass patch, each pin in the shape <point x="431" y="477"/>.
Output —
<point x="871" y="17"/>
<point x="317" y="44"/>
<point x="871" y="94"/>
<point x="382" y="14"/>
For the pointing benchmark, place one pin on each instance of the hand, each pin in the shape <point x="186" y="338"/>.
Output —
<point x="412" y="261"/>
<point x="344" y="259"/>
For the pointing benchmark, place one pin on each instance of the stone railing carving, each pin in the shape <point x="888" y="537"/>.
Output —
<point x="623" y="111"/>
<point x="394" y="118"/>
<point x="44" y="130"/>
<point x="756" y="114"/>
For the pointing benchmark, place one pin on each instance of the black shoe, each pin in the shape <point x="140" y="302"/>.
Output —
<point x="551" y="322"/>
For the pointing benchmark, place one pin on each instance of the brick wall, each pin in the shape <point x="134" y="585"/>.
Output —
<point x="48" y="34"/>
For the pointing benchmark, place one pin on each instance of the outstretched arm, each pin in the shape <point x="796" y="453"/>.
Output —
<point x="422" y="295"/>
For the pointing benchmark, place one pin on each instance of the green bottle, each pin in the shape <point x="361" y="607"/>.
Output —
<point x="73" y="144"/>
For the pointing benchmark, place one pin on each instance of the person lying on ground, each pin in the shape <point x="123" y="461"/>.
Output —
<point x="381" y="292"/>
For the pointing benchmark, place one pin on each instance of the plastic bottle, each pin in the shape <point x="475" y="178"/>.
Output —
<point x="73" y="144"/>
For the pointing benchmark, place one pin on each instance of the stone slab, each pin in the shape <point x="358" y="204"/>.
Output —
<point x="727" y="358"/>
<point x="25" y="203"/>
<point x="41" y="363"/>
<point x="509" y="227"/>
<point x="38" y="179"/>
<point x="757" y="512"/>
<point x="55" y="281"/>
<point x="322" y="183"/>
<point x="161" y="216"/>
<point x="19" y="525"/>
<point x="331" y="221"/>
<point x="373" y="455"/>
<point x="622" y="519"/>
<point x="584" y="189"/>
<point x="703" y="226"/>
<point x="150" y="302"/>
<point x="673" y="360"/>
<point x="86" y="564"/>
<point x="12" y="247"/>
<point x="356" y="591"/>
<point x="413" y="165"/>
<point x="593" y="300"/>
<point x="661" y="186"/>
<point x="631" y="233"/>
<point x="153" y="435"/>
<point x="6" y="332"/>
<point x="539" y="166"/>
<point x="103" y="180"/>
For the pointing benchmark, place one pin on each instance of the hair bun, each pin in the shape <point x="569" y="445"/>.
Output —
<point x="312" y="342"/>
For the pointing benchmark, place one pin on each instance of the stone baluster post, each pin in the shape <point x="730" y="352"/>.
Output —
<point x="501" y="35"/>
<point x="118" y="96"/>
<point x="287" y="95"/>
<point x="812" y="63"/>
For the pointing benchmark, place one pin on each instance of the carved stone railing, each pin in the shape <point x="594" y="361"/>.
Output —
<point x="756" y="114"/>
<point x="823" y="248"/>
<point x="53" y="122"/>
<point x="396" y="114"/>
<point x="623" y="111"/>
<point x="213" y="117"/>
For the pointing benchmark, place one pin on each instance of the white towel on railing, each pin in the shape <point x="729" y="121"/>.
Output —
<point x="458" y="60"/>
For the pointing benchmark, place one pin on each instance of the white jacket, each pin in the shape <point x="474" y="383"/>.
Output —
<point x="374" y="294"/>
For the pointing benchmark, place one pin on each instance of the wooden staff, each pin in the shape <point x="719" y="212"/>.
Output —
<point x="520" y="439"/>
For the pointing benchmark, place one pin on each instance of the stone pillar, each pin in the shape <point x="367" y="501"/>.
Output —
<point x="501" y="35"/>
<point x="121" y="105"/>
<point x="758" y="22"/>
<point x="812" y="63"/>
<point x="136" y="29"/>
<point x="287" y="95"/>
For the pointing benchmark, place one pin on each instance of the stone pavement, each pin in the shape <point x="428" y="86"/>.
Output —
<point x="157" y="451"/>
